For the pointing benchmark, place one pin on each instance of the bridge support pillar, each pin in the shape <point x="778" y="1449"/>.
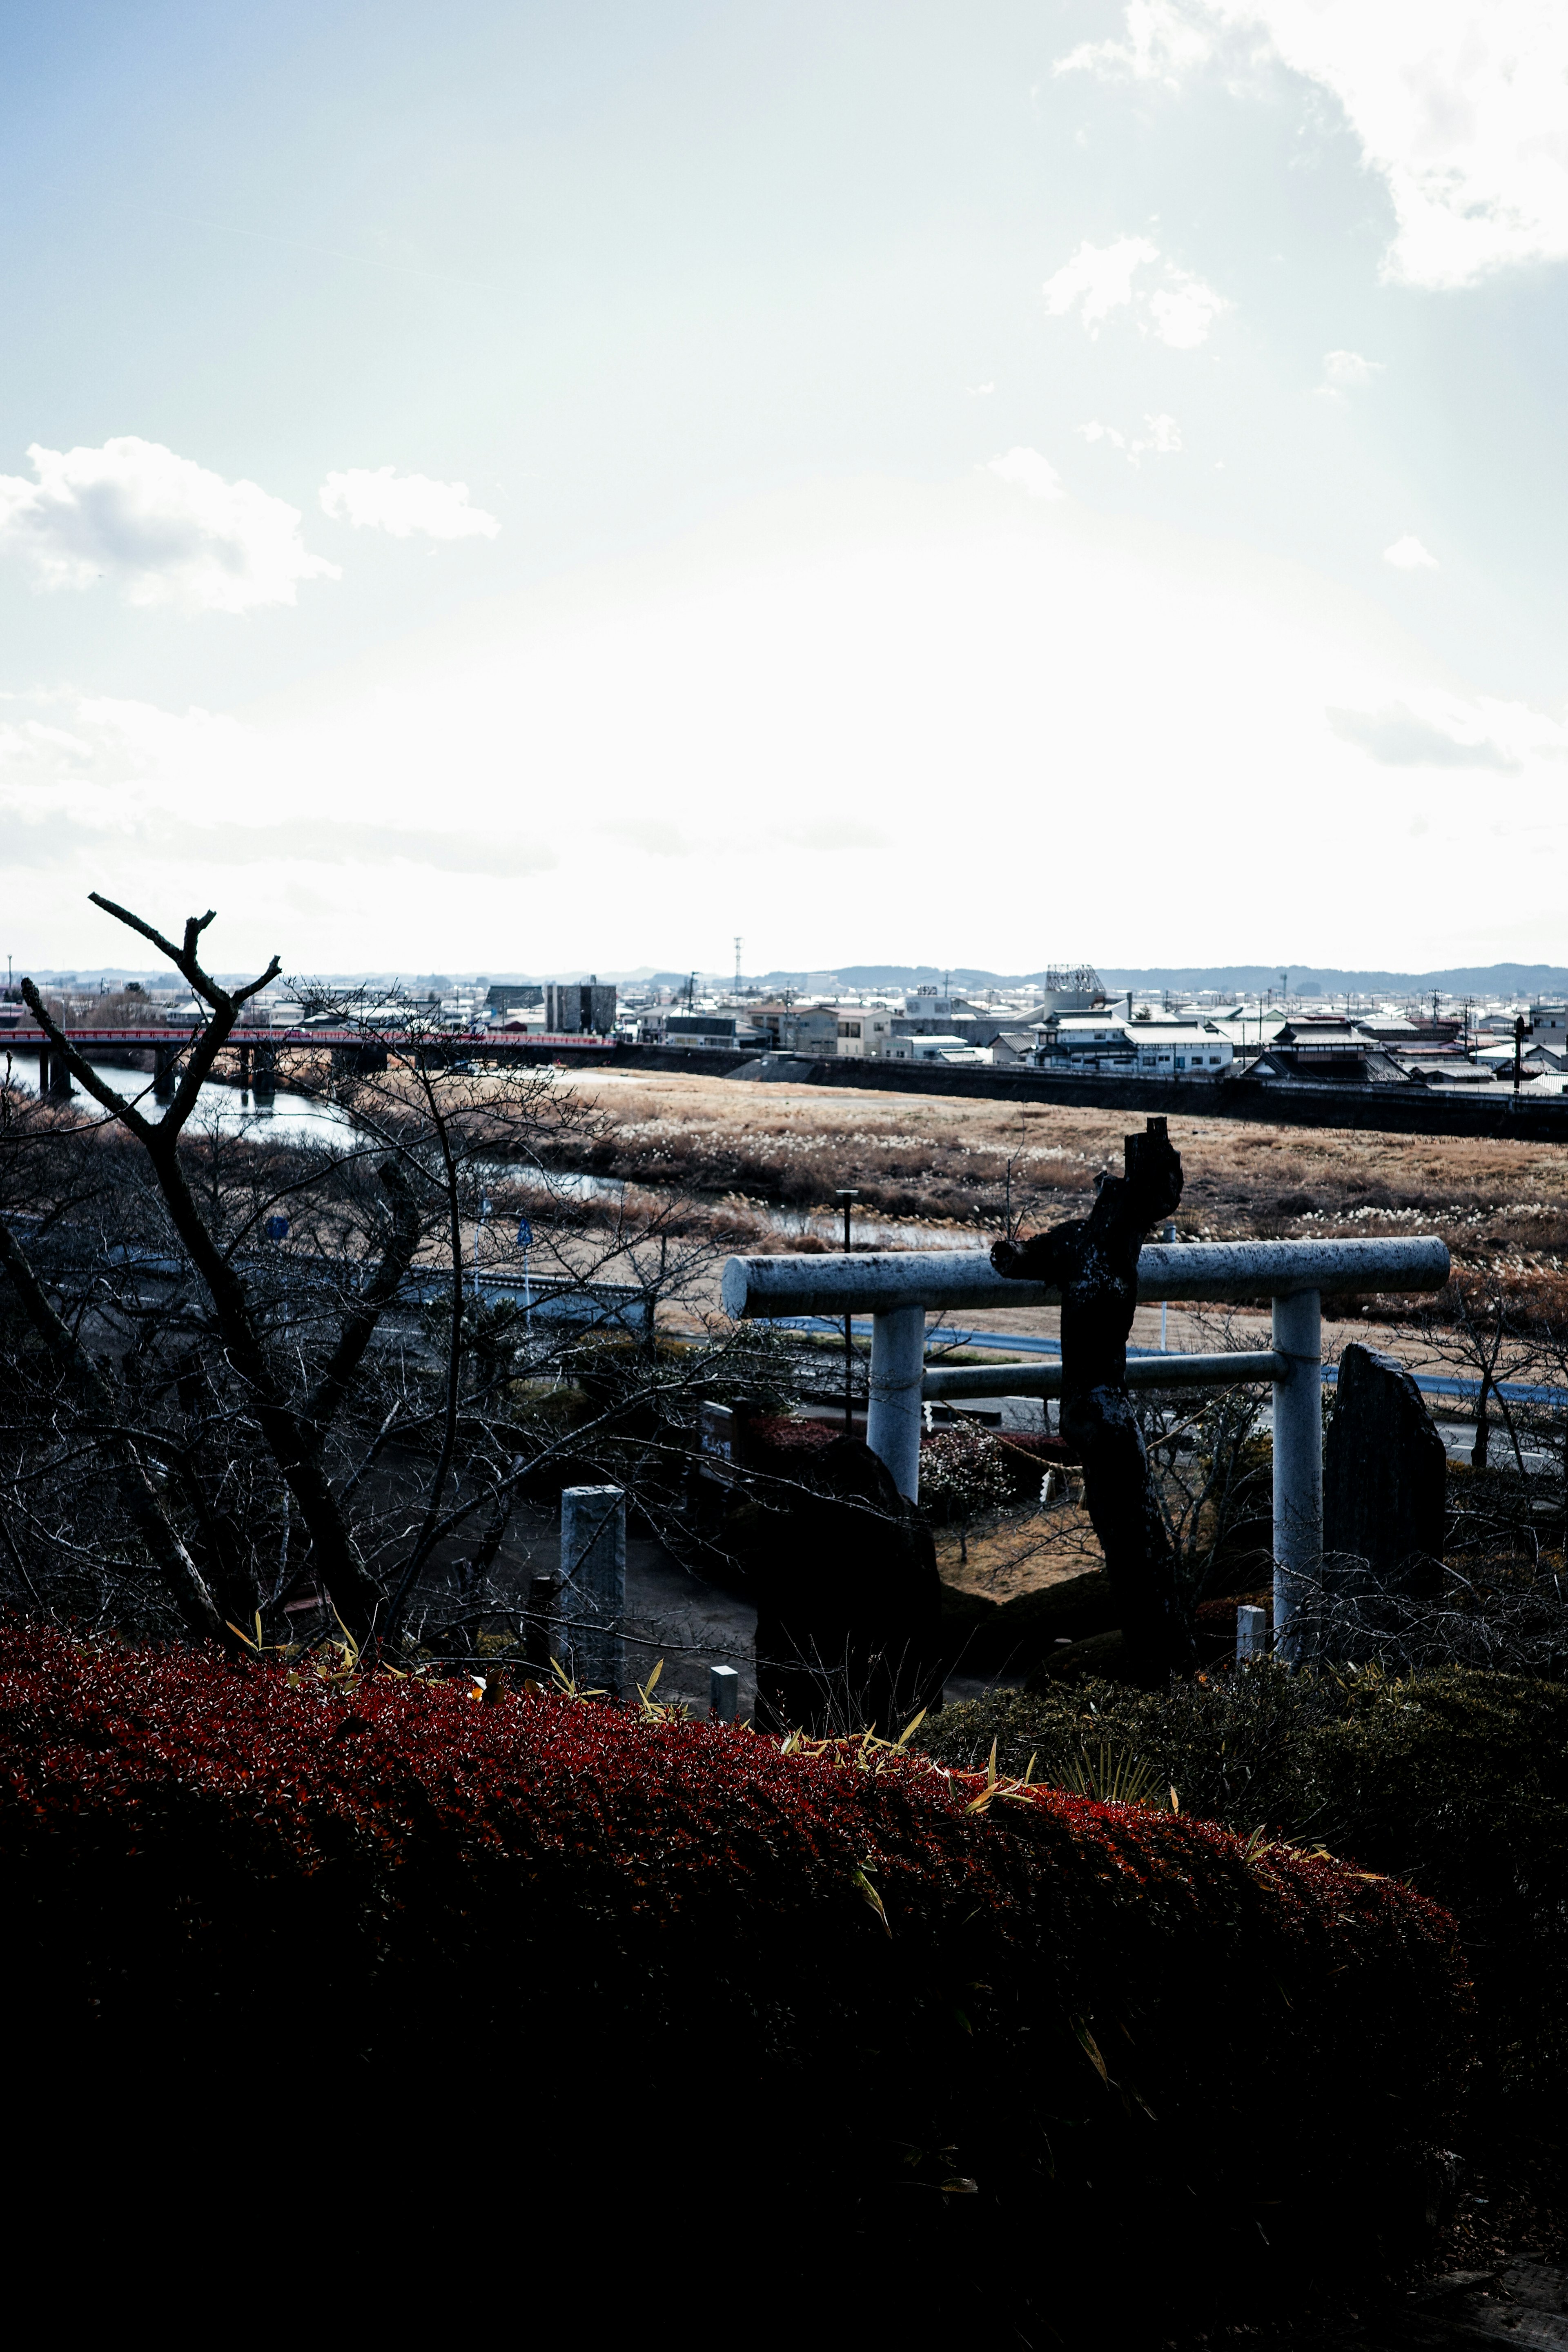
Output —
<point x="266" y="1082"/>
<point x="163" y="1060"/>
<point x="245" y="1067"/>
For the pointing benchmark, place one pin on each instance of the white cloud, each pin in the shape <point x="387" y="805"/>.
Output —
<point x="1348" y="371"/>
<point x="1458" y="105"/>
<point x="1165" y="42"/>
<point x="1407" y="554"/>
<point x="1099" y="279"/>
<point x="380" y="499"/>
<point x="1431" y="730"/>
<point x="979" y="391"/>
<point x="1184" y="311"/>
<point x="165" y="529"/>
<point x="1163" y="438"/>
<point x="865" y="653"/>
<point x="1029" y="471"/>
<point x="1399" y="737"/>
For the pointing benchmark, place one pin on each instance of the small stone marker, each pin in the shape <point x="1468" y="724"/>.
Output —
<point x="724" y="1692"/>
<point x="594" y="1585"/>
<point x="716" y="1430"/>
<point x="1385" y="1482"/>
<point x="1251" y="1632"/>
<point x="539" y="1625"/>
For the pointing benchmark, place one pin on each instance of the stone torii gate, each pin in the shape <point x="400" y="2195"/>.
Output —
<point x="897" y="1288"/>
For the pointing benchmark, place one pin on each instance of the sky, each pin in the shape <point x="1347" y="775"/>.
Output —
<point x="540" y="486"/>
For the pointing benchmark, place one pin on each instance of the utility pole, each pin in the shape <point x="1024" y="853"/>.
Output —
<point x="737" y="970"/>
<point x="1518" y="1055"/>
<point x="847" y="1194"/>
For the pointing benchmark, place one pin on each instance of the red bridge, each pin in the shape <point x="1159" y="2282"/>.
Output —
<point x="489" y="1041"/>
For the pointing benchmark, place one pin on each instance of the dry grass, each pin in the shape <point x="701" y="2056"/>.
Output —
<point x="1502" y="1206"/>
<point x="1019" y="1551"/>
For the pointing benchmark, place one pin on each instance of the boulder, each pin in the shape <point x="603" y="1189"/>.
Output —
<point x="1385" y="1482"/>
<point x="850" y="1632"/>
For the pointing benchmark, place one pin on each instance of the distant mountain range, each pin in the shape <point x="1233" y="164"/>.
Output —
<point x="1542" y="980"/>
<point x="1316" y="980"/>
<point x="1328" y="979"/>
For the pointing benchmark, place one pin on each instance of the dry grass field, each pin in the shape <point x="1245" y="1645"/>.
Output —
<point x="917" y="1160"/>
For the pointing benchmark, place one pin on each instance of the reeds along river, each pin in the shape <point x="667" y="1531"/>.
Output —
<point x="292" y="1118"/>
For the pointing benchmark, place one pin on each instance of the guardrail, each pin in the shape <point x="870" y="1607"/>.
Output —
<point x="551" y="1297"/>
<point x="897" y="1287"/>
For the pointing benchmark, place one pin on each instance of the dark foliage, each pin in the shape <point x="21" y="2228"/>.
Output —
<point x="911" y="1982"/>
<point x="1457" y="1780"/>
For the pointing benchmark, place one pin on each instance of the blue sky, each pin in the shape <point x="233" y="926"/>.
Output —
<point x="520" y="486"/>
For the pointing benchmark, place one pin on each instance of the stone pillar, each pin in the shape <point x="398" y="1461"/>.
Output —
<point x="723" y="1693"/>
<point x="1298" y="1463"/>
<point x="1251" y="1633"/>
<point x="538" y="1637"/>
<point x="594" y="1585"/>
<point x="895" y="1413"/>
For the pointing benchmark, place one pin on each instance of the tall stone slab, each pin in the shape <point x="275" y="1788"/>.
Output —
<point x="1385" y="1482"/>
<point x="592" y="1599"/>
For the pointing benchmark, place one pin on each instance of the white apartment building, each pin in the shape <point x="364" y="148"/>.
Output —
<point x="1179" y="1053"/>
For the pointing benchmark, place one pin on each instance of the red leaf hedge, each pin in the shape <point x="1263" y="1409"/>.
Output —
<point x="197" y="1854"/>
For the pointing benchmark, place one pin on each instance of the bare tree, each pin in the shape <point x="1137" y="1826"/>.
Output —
<point x="323" y="1365"/>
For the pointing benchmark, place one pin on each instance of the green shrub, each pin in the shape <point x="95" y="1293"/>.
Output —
<point x="1456" y="1780"/>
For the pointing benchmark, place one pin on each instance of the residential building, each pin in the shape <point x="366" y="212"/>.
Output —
<point x="693" y="1032"/>
<point x="1448" y="1070"/>
<point x="579" y="1007"/>
<point x="1279" y="1065"/>
<point x="799" y="1029"/>
<point x="1011" y="1048"/>
<point x="933" y="1011"/>
<point x="865" y="1033"/>
<point x="1174" y="1052"/>
<point x="952" y="1049"/>
<point x="521" y="996"/>
<point x="1095" y="1042"/>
